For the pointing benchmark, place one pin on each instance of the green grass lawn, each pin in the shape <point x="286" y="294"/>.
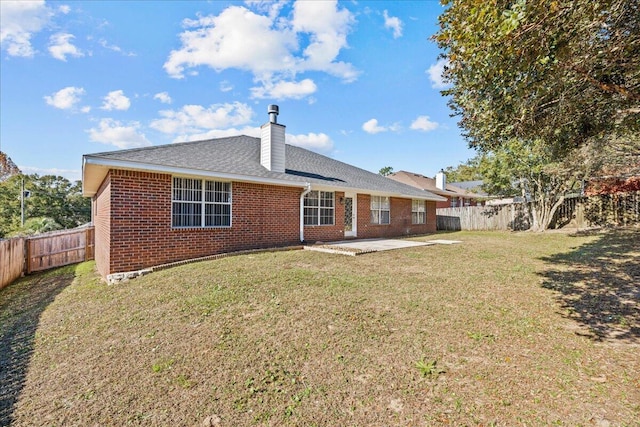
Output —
<point x="503" y="329"/>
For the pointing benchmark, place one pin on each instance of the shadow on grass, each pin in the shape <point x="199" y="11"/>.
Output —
<point x="21" y="305"/>
<point x="598" y="284"/>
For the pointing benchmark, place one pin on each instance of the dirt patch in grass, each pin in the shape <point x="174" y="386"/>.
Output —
<point x="479" y="333"/>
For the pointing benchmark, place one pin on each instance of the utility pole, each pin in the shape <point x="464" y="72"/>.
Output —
<point x="23" y="195"/>
<point x="22" y="202"/>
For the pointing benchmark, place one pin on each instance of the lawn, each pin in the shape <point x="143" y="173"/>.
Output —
<point x="504" y="329"/>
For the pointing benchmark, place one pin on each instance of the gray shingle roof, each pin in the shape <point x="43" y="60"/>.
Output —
<point x="240" y="155"/>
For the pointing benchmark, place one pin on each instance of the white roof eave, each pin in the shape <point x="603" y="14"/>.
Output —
<point x="95" y="169"/>
<point x="98" y="168"/>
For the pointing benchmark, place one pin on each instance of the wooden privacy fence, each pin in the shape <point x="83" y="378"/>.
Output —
<point x="581" y="212"/>
<point x="12" y="260"/>
<point x="45" y="252"/>
<point x="503" y="217"/>
<point x="37" y="253"/>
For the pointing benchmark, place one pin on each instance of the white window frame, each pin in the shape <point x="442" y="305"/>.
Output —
<point x="205" y="197"/>
<point x="319" y="208"/>
<point x="418" y="211"/>
<point x="379" y="206"/>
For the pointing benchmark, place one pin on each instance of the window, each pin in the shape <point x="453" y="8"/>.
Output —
<point x="200" y="203"/>
<point x="418" y="212"/>
<point x="380" y="210"/>
<point x="319" y="208"/>
<point x="454" y="202"/>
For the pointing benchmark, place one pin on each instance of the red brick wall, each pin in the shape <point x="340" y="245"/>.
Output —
<point x="102" y="222"/>
<point x="327" y="233"/>
<point x="447" y="204"/>
<point x="133" y="222"/>
<point x="400" y="212"/>
<point x="141" y="234"/>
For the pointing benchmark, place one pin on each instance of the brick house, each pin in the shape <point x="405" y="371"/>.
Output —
<point x="168" y="203"/>
<point x="455" y="196"/>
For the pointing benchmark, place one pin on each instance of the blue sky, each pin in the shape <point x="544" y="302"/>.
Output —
<point x="357" y="81"/>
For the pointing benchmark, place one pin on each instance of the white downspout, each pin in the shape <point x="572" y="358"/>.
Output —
<point x="304" y="193"/>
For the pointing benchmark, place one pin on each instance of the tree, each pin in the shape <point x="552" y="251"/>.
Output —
<point x="10" y="204"/>
<point x="386" y="171"/>
<point x="36" y="226"/>
<point x="531" y="171"/>
<point x="52" y="197"/>
<point x="557" y="71"/>
<point x="468" y="171"/>
<point x="7" y="167"/>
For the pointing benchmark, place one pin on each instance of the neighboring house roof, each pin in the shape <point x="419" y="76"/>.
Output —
<point x="429" y="184"/>
<point x="238" y="158"/>
<point x="471" y="185"/>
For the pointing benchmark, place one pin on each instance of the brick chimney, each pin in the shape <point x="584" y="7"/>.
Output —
<point x="272" y="142"/>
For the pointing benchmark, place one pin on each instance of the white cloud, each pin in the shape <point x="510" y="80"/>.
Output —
<point x="70" y="174"/>
<point x="268" y="45"/>
<point x="19" y="21"/>
<point x="312" y="141"/>
<point x="60" y="46"/>
<point x="393" y="23"/>
<point x="283" y="90"/>
<point x="116" y="100"/>
<point x="226" y="86"/>
<point x="64" y="9"/>
<point x="372" y="127"/>
<point x="65" y="99"/>
<point x="196" y="119"/>
<point x="163" y="97"/>
<point x="237" y="38"/>
<point x="327" y="27"/>
<point x="435" y="74"/>
<point x="113" y="132"/>
<point x="114" y="48"/>
<point x="423" y="123"/>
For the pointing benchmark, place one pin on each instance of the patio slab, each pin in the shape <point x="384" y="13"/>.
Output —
<point x="362" y="246"/>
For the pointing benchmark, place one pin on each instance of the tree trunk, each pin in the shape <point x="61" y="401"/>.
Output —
<point x="543" y="212"/>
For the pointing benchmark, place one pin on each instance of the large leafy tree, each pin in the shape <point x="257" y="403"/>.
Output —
<point x="557" y="71"/>
<point x="467" y="171"/>
<point x="530" y="170"/>
<point x="52" y="197"/>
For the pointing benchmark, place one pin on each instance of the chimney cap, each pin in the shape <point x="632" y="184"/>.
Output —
<point x="273" y="111"/>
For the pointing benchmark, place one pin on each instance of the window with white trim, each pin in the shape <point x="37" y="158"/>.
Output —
<point x="418" y="212"/>
<point x="319" y="208"/>
<point x="200" y="203"/>
<point x="380" y="210"/>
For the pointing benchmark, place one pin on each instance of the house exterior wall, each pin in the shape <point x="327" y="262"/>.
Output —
<point x="327" y="233"/>
<point x="400" y="213"/>
<point x="141" y="234"/>
<point x="461" y="203"/>
<point x="102" y="222"/>
<point x="133" y="222"/>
